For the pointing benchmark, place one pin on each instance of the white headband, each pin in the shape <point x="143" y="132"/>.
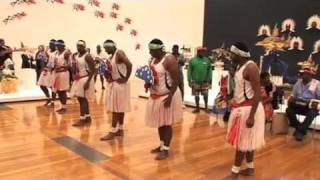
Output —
<point x="109" y="44"/>
<point x="239" y="52"/>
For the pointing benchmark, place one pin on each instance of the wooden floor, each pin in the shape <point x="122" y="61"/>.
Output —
<point x="28" y="149"/>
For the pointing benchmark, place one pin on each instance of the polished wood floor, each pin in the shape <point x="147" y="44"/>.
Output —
<point x="28" y="149"/>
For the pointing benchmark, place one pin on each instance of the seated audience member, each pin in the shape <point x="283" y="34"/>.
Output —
<point x="267" y="91"/>
<point x="304" y="90"/>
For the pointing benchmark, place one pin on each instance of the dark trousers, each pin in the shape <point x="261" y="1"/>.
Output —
<point x="310" y="114"/>
<point x="181" y="87"/>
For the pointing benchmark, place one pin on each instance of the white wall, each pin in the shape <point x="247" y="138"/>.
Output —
<point x="173" y="21"/>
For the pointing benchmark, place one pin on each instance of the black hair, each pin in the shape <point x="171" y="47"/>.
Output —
<point x="241" y="46"/>
<point x="264" y="75"/>
<point x="175" y="46"/>
<point x="60" y="41"/>
<point x="108" y="41"/>
<point x="156" y="41"/>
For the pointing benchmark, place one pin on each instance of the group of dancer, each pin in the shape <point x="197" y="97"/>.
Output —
<point x="164" y="107"/>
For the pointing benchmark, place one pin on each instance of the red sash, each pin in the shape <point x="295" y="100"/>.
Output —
<point x="248" y="102"/>
<point x="157" y="96"/>
<point x="77" y="77"/>
<point x="61" y="69"/>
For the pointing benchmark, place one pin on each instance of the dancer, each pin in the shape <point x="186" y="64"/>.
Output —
<point x="164" y="106"/>
<point x="61" y="78"/>
<point x="247" y="113"/>
<point x="118" y="88"/>
<point x="45" y="61"/>
<point x="82" y="86"/>
<point x="100" y="59"/>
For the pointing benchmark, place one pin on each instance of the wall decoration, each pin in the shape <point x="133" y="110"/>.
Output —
<point x="94" y="3"/>
<point x="120" y="27"/>
<point x="128" y="20"/>
<point x="99" y="14"/>
<point x="264" y="30"/>
<point x="16" y="16"/>
<point x="138" y="46"/>
<point x="313" y="22"/>
<point x="288" y="28"/>
<point x="115" y="6"/>
<point x="20" y="2"/>
<point x="114" y="14"/>
<point x="296" y="43"/>
<point x="274" y="42"/>
<point x="288" y="25"/>
<point x="316" y="47"/>
<point x="78" y="7"/>
<point x="56" y="1"/>
<point x="134" y="32"/>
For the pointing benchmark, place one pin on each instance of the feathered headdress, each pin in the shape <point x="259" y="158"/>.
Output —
<point x="266" y="28"/>
<point x="296" y="40"/>
<point x="308" y="66"/>
<point x="315" y="18"/>
<point x="288" y="22"/>
<point x="315" y="47"/>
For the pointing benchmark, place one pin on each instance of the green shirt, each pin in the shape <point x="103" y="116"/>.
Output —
<point x="200" y="70"/>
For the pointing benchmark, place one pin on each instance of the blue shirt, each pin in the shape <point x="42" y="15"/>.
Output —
<point x="306" y="92"/>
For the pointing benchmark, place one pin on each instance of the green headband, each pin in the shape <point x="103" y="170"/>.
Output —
<point x="155" y="46"/>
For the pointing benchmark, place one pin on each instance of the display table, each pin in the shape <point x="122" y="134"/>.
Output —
<point x="28" y="89"/>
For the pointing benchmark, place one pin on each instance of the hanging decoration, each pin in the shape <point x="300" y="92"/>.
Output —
<point x="128" y="21"/>
<point x="120" y="27"/>
<point x="56" y="1"/>
<point x="134" y="32"/>
<point x="20" y="2"/>
<point x="115" y="6"/>
<point x="79" y="7"/>
<point x="18" y="16"/>
<point x="114" y="15"/>
<point x="94" y="3"/>
<point x="99" y="14"/>
<point x="138" y="46"/>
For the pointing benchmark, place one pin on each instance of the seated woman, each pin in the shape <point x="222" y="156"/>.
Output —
<point x="267" y="90"/>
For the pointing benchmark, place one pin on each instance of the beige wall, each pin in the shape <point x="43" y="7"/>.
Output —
<point x="173" y="21"/>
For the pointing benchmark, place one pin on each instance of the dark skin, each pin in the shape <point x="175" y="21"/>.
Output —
<point x="84" y="105"/>
<point x="314" y="24"/>
<point x="62" y="94"/>
<point x="265" y="82"/>
<point x="98" y="49"/>
<point x="8" y="49"/>
<point x="251" y="74"/>
<point x="296" y="45"/>
<point x="306" y="79"/>
<point x="171" y="65"/>
<point x="61" y="49"/>
<point x="90" y="62"/>
<point x="121" y="58"/>
<point x="118" y="118"/>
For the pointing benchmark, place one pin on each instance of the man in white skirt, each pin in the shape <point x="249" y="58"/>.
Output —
<point x="247" y="119"/>
<point x="164" y="107"/>
<point x="118" y="88"/>
<point x="45" y="79"/>
<point x="83" y="85"/>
